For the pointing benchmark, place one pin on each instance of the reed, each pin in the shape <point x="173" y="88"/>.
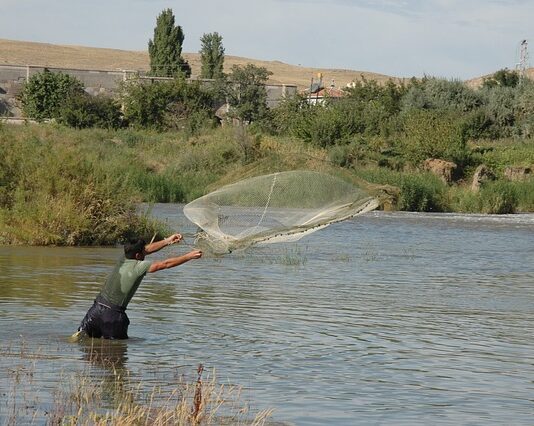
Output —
<point x="83" y="398"/>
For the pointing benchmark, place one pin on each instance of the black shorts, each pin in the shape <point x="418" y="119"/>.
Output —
<point x="105" y="320"/>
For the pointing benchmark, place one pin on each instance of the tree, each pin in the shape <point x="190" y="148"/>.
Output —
<point x="211" y="56"/>
<point x="246" y="92"/>
<point x="502" y="78"/>
<point x="166" y="49"/>
<point x="44" y="94"/>
<point x="166" y="104"/>
<point x="90" y="111"/>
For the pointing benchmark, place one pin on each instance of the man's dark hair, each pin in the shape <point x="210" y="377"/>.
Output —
<point x="132" y="247"/>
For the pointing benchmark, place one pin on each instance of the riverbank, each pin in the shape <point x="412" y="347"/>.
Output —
<point x="80" y="187"/>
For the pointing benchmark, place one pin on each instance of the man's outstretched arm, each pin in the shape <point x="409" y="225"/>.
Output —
<point x="175" y="261"/>
<point x="158" y="245"/>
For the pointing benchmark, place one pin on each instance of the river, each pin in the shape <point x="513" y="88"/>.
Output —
<point x="389" y="318"/>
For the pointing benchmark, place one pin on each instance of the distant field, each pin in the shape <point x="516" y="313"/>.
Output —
<point x="30" y="53"/>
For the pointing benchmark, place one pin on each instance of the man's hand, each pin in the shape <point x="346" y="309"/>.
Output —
<point x="195" y="254"/>
<point x="173" y="239"/>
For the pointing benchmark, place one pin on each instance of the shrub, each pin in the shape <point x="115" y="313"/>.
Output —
<point x="500" y="110"/>
<point x="57" y="191"/>
<point x="82" y="111"/>
<point x="525" y="109"/>
<point x="434" y="134"/>
<point x="44" y="93"/>
<point x="441" y="94"/>
<point x="166" y="104"/>
<point x="502" y="78"/>
<point x="388" y="96"/>
<point x="499" y="197"/>
<point x="421" y="193"/>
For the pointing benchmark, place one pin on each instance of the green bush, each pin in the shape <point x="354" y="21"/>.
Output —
<point x="82" y="111"/>
<point x="422" y="193"/>
<point x="56" y="190"/>
<point x="525" y="109"/>
<point x="434" y="134"/>
<point x="525" y="195"/>
<point x="502" y="78"/>
<point x="499" y="197"/>
<point x="44" y="93"/>
<point x="441" y="94"/>
<point x="165" y="105"/>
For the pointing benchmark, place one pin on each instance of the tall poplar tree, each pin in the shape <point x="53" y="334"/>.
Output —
<point x="166" y="49"/>
<point x="211" y="56"/>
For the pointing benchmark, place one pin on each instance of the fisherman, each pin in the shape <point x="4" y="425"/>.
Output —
<point x="107" y="317"/>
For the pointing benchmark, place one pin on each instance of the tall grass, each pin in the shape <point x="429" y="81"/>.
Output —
<point x="78" y="187"/>
<point x="54" y="190"/>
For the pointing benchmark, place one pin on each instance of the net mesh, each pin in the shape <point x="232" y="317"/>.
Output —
<point x="279" y="207"/>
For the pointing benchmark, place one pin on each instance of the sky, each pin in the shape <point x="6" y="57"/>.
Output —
<point x="455" y="39"/>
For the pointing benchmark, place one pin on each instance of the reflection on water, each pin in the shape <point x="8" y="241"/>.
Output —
<point x="389" y="318"/>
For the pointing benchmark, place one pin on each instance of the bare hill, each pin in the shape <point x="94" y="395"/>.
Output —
<point x="43" y="54"/>
<point x="477" y="82"/>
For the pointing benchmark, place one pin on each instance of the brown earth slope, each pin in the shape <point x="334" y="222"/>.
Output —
<point x="30" y="53"/>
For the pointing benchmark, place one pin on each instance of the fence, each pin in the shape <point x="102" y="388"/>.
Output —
<point x="95" y="82"/>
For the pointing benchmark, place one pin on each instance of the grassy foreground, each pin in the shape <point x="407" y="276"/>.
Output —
<point x="104" y="393"/>
<point x="80" y="187"/>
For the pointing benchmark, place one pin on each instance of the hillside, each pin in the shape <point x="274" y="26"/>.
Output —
<point x="29" y="53"/>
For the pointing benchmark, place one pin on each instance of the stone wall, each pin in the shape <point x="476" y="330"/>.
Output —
<point x="95" y="82"/>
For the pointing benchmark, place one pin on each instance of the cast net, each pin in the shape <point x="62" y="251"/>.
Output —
<point x="279" y="207"/>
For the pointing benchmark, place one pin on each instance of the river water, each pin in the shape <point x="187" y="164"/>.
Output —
<point x="390" y="318"/>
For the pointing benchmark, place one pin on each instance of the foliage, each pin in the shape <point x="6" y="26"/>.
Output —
<point x="388" y="96"/>
<point x="246" y="92"/>
<point x="166" y="49"/>
<point x="440" y="94"/>
<point x="434" y="134"/>
<point x="161" y="105"/>
<point x="211" y="56"/>
<point x="502" y="78"/>
<point x="43" y="94"/>
<point x="368" y="109"/>
<point x="54" y="192"/>
<point x="524" y="109"/>
<point x="500" y="111"/>
<point x="90" y="111"/>
<point x="421" y="193"/>
<point x="499" y="198"/>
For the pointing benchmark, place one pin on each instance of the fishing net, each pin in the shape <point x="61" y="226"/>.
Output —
<point x="279" y="207"/>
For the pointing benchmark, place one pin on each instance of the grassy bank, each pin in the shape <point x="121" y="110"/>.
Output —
<point x="79" y="187"/>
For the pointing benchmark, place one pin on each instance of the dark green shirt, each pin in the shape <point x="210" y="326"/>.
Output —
<point x="122" y="283"/>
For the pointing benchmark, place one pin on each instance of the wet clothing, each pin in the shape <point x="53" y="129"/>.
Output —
<point x="106" y="320"/>
<point x="122" y="283"/>
<point x="107" y="317"/>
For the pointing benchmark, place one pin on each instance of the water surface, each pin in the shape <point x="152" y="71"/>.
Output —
<point x="390" y="318"/>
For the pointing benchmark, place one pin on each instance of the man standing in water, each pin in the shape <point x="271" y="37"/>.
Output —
<point x="107" y="317"/>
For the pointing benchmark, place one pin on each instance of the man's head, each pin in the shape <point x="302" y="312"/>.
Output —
<point x="135" y="249"/>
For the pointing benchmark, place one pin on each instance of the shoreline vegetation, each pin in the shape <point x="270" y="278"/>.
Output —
<point x="104" y="392"/>
<point x="430" y="145"/>
<point x="63" y="186"/>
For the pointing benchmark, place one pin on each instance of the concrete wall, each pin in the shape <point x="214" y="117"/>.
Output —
<point x="95" y="82"/>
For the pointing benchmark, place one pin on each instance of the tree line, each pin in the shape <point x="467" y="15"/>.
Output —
<point x="164" y="105"/>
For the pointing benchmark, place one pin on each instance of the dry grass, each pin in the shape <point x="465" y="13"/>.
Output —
<point x="29" y="53"/>
<point x="115" y="398"/>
